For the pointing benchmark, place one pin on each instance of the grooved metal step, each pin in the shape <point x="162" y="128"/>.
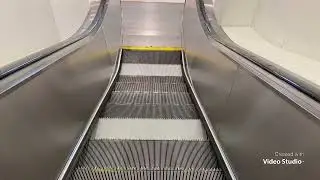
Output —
<point x="151" y="57"/>
<point x="177" y="98"/>
<point x="149" y="154"/>
<point x="151" y="79"/>
<point x="151" y="87"/>
<point x="146" y="174"/>
<point x="151" y="111"/>
<point x="149" y="129"/>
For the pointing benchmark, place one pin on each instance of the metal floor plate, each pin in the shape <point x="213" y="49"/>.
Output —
<point x="152" y="40"/>
<point x="151" y="57"/>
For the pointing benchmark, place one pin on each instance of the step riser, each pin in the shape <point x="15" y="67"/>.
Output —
<point x="150" y="87"/>
<point x="150" y="98"/>
<point x="151" y="111"/>
<point x="88" y="174"/>
<point x="150" y="79"/>
<point x="148" y="154"/>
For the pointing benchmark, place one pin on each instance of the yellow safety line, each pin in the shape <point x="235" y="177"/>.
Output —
<point x="163" y="48"/>
<point x="151" y="48"/>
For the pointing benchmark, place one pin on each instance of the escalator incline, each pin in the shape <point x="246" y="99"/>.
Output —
<point x="150" y="128"/>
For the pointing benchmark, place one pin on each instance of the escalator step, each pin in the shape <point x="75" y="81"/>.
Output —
<point x="151" y="57"/>
<point x="150" y="154"/>
<point x="151" y="79"/>
<point x="150" y="98"/>
<point x="151" y="87"/>
<point x="149" y="129"/>
<point x="150" y="70"/>
<point x="146" y="174"/>
<point x="150" y="111"/>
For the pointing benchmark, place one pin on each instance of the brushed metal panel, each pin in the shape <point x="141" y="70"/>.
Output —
<point x="257" y="122"/>
<point x="111" y="26"/>
<point x="151" y="24"/>
<point x="211" y="72"/>
<point x="42" y="118"/>
<point x="253" y="118"/>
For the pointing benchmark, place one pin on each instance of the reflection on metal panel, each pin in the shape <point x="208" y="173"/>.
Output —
<point x="42" y="119"/>
<point x="151" y="24"/>
<point x="253" y="120"/>
<point x="112" y="26"/>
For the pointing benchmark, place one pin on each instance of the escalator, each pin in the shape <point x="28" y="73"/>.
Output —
<point x="149" y="128"/>
<point x="172" y="103"/>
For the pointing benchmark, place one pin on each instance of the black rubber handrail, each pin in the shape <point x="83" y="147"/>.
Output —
<point x="298" y="83"/>
<point x="35" y="57"/>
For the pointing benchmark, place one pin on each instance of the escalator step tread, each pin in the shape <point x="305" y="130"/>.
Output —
<point x="149" y="129"/>
<point x="150" y="154"/>
<point x="178" y="98"/>
<point x="151" y="87"/>
<point x="151" y="79"/>
<point x="150" y="93"/>
<point x="159" y="111"/>
<point x="146" y="174"/>
<point x="151" y="57"/>
<point x="165" y="70"/>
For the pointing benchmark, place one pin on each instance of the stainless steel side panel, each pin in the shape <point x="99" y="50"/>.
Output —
<point x="41" y="119"/>
<point x="253" y="120"/>
<point x="111" y="26"/>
